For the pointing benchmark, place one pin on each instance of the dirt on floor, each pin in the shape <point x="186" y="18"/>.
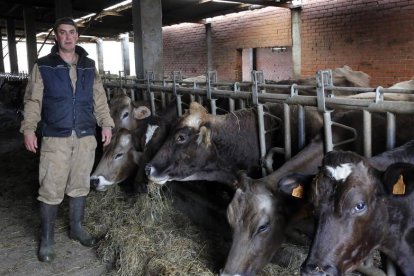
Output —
<point x="20" y="223"/>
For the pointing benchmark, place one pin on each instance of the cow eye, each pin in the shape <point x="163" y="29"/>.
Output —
<point x="263" y="228"/>
<point x="119" y="155"/>
<point x="126" y="114"/>
<point x="360" y="207"/>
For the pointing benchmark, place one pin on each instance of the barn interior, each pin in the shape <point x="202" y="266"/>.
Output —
<point x="142" y="235"/>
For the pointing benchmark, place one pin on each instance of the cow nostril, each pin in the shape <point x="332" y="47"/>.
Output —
<point x="148" y="168"/>
<point x="94" y="182"/>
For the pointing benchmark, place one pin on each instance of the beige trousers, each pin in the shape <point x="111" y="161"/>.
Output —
<point x="65" y="167"/>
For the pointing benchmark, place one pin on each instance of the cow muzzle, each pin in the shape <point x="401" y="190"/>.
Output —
<point x="100" y="184"/>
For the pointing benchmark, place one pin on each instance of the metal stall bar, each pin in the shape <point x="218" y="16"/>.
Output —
<point x="211" y="78"/>
<point x="260" y="119"/>
<point x="150" y="78"/>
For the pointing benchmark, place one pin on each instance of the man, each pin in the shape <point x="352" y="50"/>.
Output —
<point x="64" y="101"/>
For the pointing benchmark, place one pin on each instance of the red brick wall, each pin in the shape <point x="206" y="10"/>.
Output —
<point x="376" y="37"/>
<point x="185" y="46"/>
<point x="251" y="29"/>
<point x="275" y="65"/>
<point x="185" y="49"/>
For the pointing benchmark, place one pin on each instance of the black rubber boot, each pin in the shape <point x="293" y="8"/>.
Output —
<point x="47" y="216"/>
<point x="76" y="214"/>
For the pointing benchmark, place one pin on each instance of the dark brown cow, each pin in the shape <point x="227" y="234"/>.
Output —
<point x="356" y="215"/>
<point x="209" y="147"/>
<point x="262" y="212"/>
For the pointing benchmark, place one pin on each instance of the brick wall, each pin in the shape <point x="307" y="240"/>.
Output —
<point x="250" y="29"/>
<point x="376" y="37"/>
<point x="185" y="49"/>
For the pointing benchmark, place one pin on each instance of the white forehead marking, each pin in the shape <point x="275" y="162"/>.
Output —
<point x="340" y="172"/>
<point x="264" y="203"/>
<point x="193" y="120"/>
<point x="150" y="132"/>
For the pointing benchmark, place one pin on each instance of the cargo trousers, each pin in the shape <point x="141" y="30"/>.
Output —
<point x="65" y="167"/>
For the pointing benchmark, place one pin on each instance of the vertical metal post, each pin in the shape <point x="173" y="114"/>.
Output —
<point x="301" y="127"/>
<point x="213" y="106"/>
<point x="179" y="107"/>
<point x="288" y="136"/>
<point x="262" y="140"/>
<point x="327" y="130"/>
<point x="367" y="133"/>
<point x="391" y="130"/>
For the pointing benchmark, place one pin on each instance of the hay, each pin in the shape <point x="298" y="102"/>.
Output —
<point x="146" y="236"/>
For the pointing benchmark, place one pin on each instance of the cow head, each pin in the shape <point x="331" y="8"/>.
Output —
<point x="346" y="194"/>
<point x="189" y="146"/>
<point x="126" y="113"/>
<point x="258" y="214"/>
<point x="119" y="160"/>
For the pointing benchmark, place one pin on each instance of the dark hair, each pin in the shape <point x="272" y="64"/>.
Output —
<point x="64" y="20"/>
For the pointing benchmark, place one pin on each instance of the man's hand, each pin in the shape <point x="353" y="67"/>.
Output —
<point x="106" y="135"/>
<point x="30" y="142"/>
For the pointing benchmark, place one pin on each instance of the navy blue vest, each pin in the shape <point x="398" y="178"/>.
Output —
<point x="62" y="109"/>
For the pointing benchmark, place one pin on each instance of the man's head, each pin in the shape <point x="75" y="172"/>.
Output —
<point x="66" y="34"/>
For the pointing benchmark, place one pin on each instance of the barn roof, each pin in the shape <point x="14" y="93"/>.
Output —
<point x="109" y="23"/>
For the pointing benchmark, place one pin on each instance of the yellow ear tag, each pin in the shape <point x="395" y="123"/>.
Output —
<point x="298" y="191"/>
<point x="399" y="187"/>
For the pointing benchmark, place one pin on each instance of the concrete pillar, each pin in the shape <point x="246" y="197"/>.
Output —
<point x="247" y="64"/>
<point x="125" y="53"/>
<point x="63" y="8"/>
<point x="209" y="47"/>
<point x="30" y="33"/>
<point x="11" y="41"/>
<point x="1" y="53"/>
<point x="99" y="51"/>
<point x="296" y="43"/>
<point x="148" y="47"/>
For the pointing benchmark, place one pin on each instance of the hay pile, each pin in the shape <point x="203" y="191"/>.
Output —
<point x="145" y="235"/>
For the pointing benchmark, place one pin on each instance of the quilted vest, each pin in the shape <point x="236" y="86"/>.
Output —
<point x="64" y="109"/>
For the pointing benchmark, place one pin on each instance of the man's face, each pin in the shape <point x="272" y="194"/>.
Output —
<point x="66" y="37"/>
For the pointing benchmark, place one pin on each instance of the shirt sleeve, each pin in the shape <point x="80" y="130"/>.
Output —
<point x="101" y="107"/>
<point x="32" y="102"/>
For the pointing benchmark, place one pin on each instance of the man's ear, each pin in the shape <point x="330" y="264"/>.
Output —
<point x="295" y="184"/>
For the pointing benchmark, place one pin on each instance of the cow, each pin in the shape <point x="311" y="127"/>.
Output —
<point x="119" y="160"/>
<point x="209" y="147"/>
<point x="127" y="113"/>
<point x="341" y="77"/>
<point x="142" y="141"/>
<point x="263" y="212"/>
<point x="357" y="212"/>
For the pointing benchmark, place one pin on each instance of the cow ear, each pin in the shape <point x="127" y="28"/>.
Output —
<point x="204" y="136"/>
<point x="398" y="179"/>
<point x="141" y="112"/>
<point x="136" y="156"/>
<point x="294" y="184"/>
<point x="243" y="181"/>
<point x="195" y="107"/>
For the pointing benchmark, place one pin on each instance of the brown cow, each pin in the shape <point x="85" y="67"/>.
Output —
<point x="209" y="147"/>
<point x="356" y="214"/>
<point x="119" y="160"/>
